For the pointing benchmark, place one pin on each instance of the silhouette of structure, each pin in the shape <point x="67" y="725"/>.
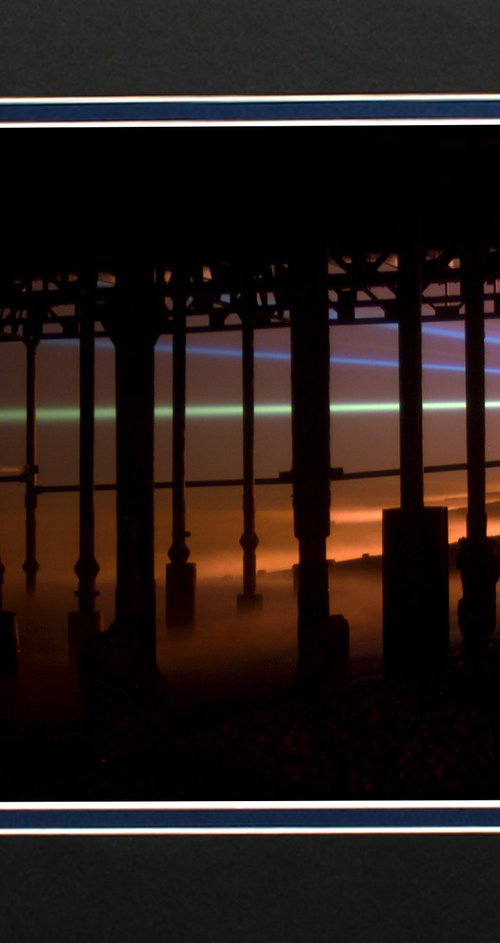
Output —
<point x="180" y="574"/>
<point x="86" y="619"/>
<point x="354" y="252"/>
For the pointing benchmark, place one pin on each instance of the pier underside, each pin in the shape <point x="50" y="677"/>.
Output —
<point x="374" y="226"/>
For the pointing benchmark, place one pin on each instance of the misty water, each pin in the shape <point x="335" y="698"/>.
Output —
<point x="227" y="654"/>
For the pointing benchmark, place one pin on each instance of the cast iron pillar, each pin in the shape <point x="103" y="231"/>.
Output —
<point x="415" y="538"/>
<point x="180" y="575"/>
<point x="310" y="354"/>
<point x="410" y="381"/>
<point x="86" y="620"/>
<point x="249" y="598"/>
<point x="476" y="560"/>
<point x="134" y="321"/>
<point x="31" y="565"/>
<point x="9" y="636"/>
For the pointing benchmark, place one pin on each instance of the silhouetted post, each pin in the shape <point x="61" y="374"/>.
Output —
<point x="410" y="380"/>
<point x="310" y="432"/>
<point x="476" y="558"/>
<point x="31" y="565"/>
<point x="310" y="353"/>
<point x="134" y="321"/>
<point x="180" y="575"/>
<point x="87" y="620"/>
<point x="9" y="636"/>
<point x="472" y="286"/>
<point x="415" y="538"/>
<point x="249" y="598"/>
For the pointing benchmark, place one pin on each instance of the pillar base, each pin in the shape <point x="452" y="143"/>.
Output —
<point x="415" y="591"/>
<point x="80" y="626"/>
<point x="325" y="650"/>
<point x="248" y="603"/>
<point x="9" y="644"/>
<point x="479" y="568"/>
<point x="181" y="586"/>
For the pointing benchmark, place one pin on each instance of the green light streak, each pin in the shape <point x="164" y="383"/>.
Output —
<point x="364" y="408"/>
<point x="71" y="414"/>
<point x="456" y="406"/>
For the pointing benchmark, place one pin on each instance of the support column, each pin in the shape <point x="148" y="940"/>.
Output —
<point x="134" y="325"/>
<point x="415" y="538"/>
<point x="310" y="353"/>
<point x="9" y="636"/>
<point x="476" y="558"/>
<point x="249" y="598"/>
<point x="86" y="620"/>
<point x="180" y="575"/>
<point x="31" y="565"/>
<point x="410" y="380"/>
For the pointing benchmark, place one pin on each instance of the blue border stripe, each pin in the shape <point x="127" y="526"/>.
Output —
<point x="32" y="111"/>
<point x="261" y="819"/>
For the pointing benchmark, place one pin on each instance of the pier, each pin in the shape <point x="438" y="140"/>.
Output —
<point x="372" y="254"/>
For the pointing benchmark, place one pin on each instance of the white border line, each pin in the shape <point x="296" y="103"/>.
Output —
<point x="257" y="99"/>
<point x="256" y="805"/>
<point x="129" y="832"/>
<point x="19" y="124"/>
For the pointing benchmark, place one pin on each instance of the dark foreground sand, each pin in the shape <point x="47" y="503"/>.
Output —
<point x="224" y="719"/>
<point x="355" y="736"/>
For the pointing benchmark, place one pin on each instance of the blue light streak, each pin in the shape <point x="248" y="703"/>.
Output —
<point x="336" y="360"/>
